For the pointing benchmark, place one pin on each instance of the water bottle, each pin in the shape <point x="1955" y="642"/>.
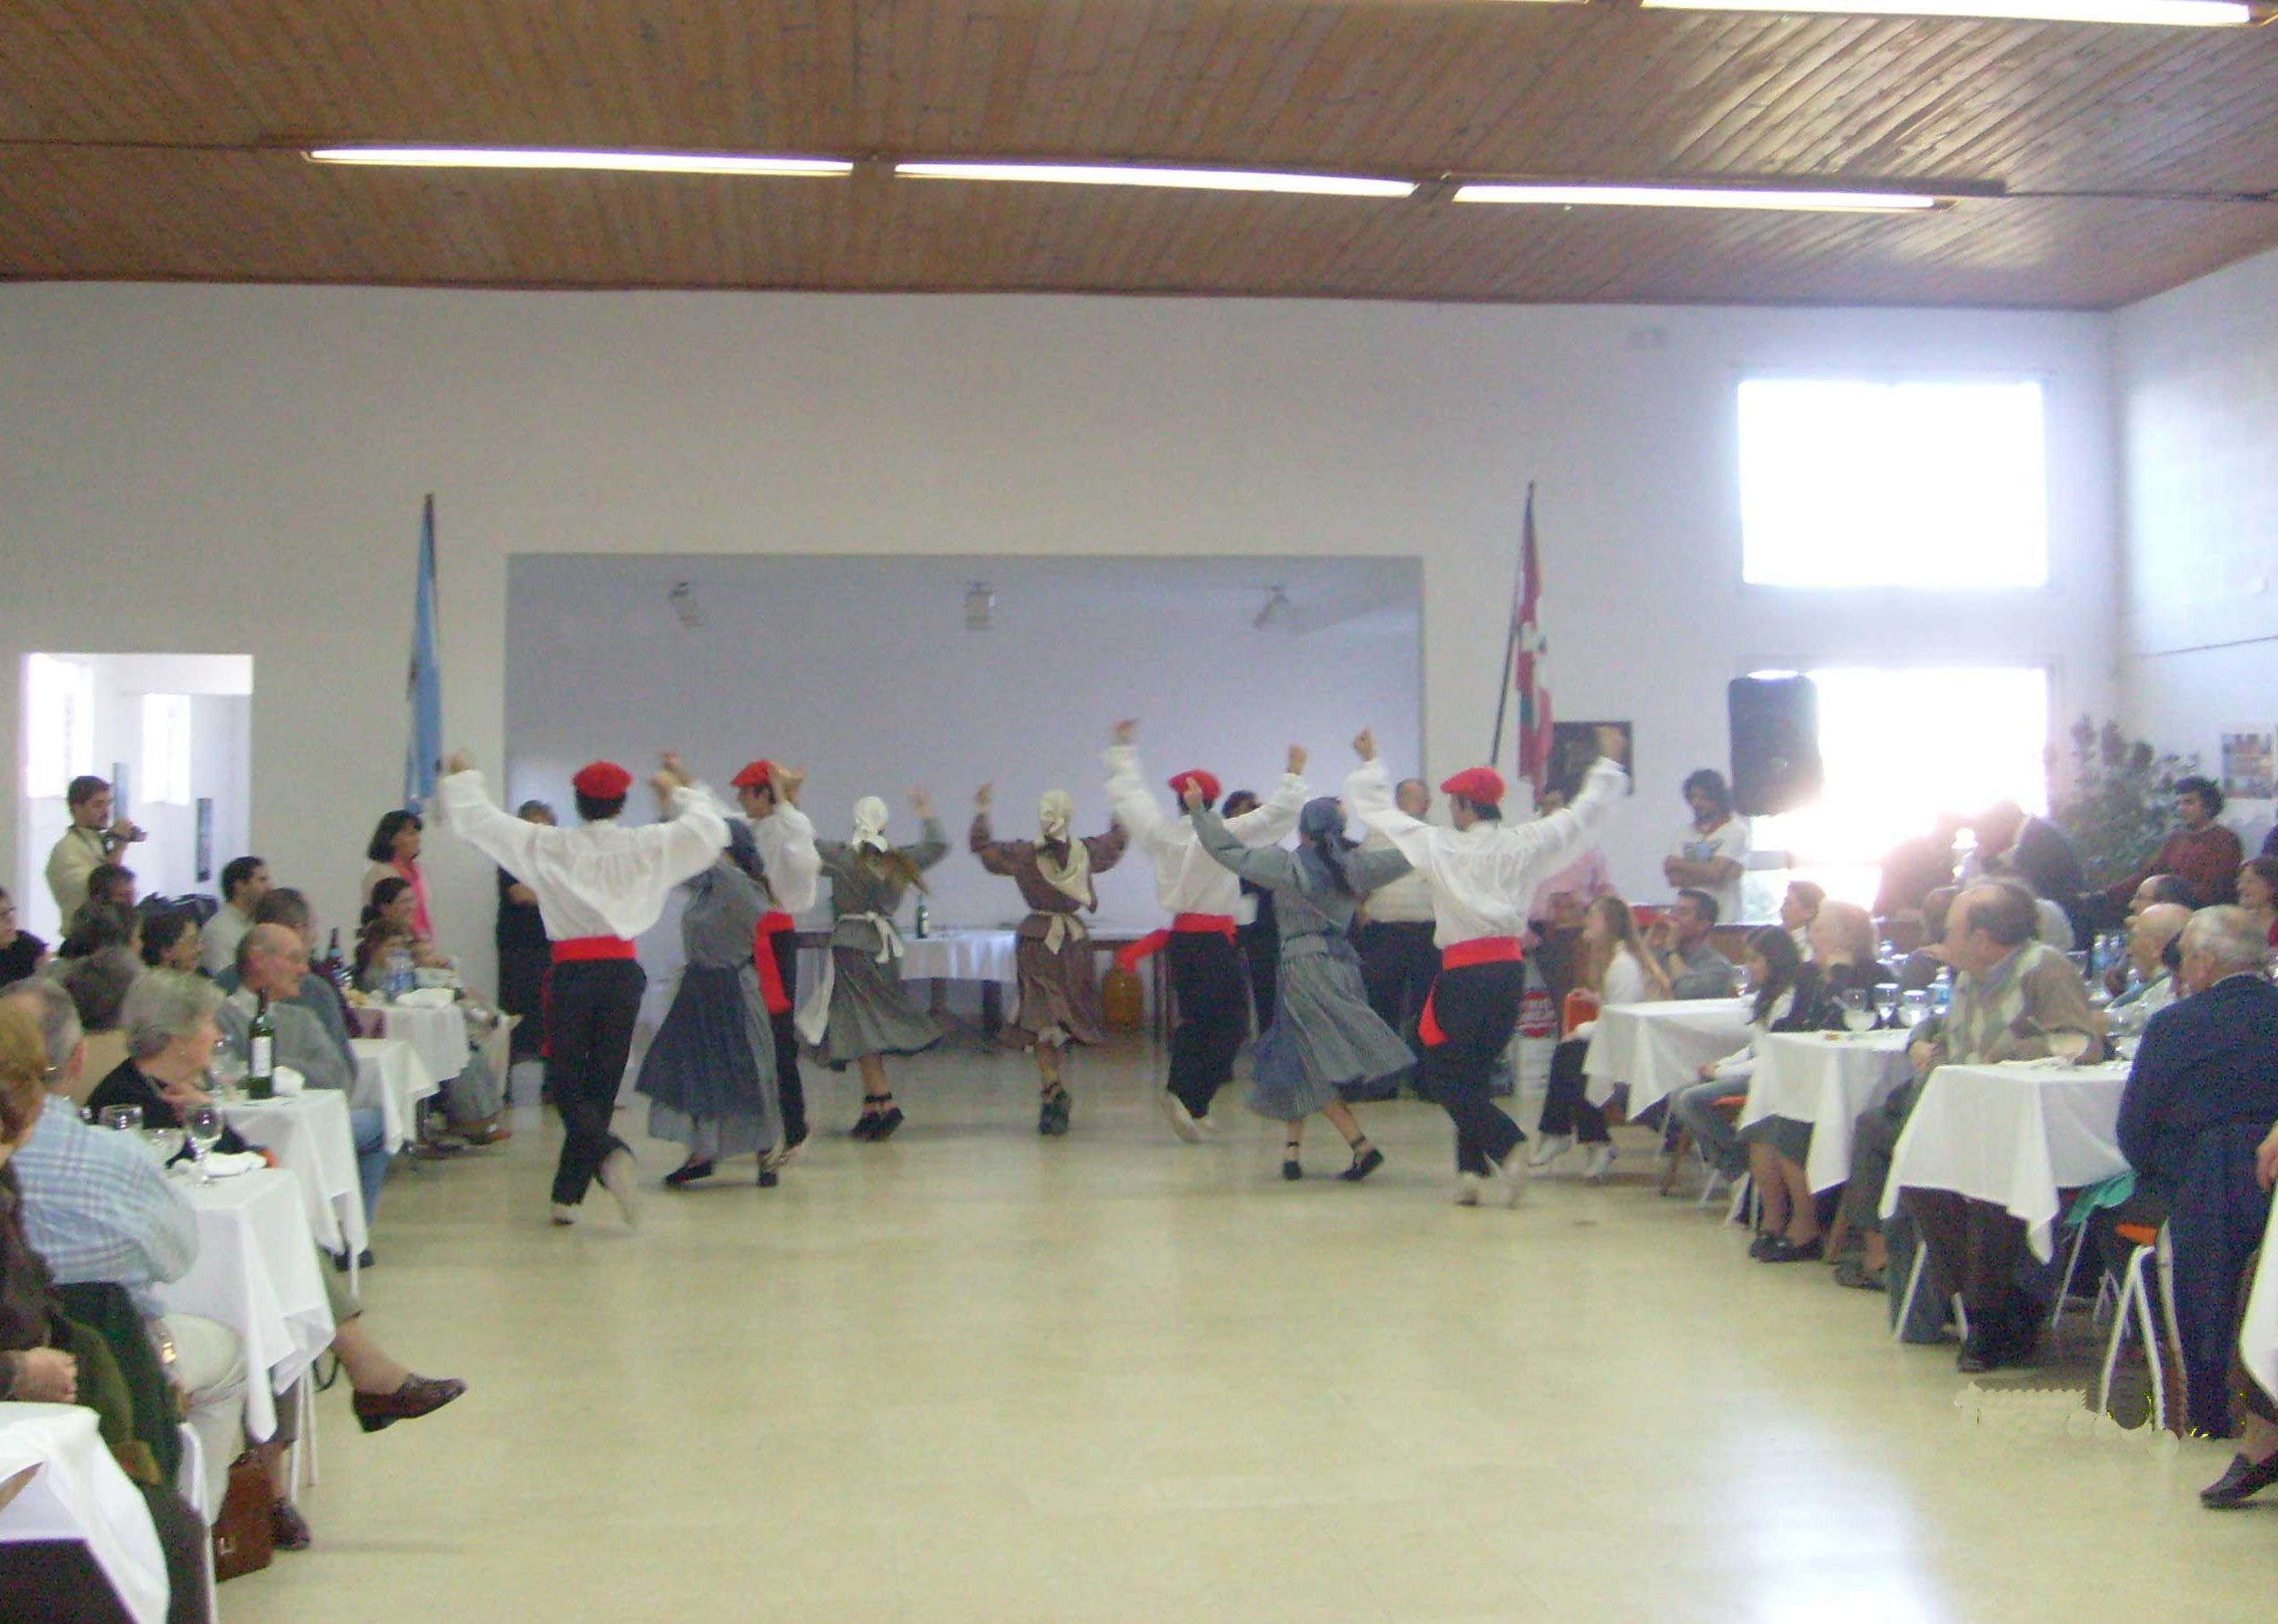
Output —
<point x="401" y="977"/>
<point x="924" y="921"/>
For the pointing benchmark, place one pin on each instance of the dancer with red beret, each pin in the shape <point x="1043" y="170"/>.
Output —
<point x="1200" y="896"/>
<point x="769" y="794"/>
<point x="598" y="887"/>
<point x="1481" y="876"/>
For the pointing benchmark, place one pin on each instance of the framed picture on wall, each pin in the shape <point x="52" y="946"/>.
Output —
<point x="205" y="838"/>
<point x="2249" y="764"/>
<point x="1574" y="746"/>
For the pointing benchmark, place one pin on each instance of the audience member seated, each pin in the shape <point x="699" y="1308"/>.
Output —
<point x="98" y="986"/>
<point x="284" y="905"/>
<point x="2034" y="851"/>
<point x="1617" y="968"/>
<point x="375" y="944"/>
<point x="21" y="952"/>
<point x="2257" y="894"/>
<point x="1679" y="939"/>
<point x="111" y="883"/>
<point x="1798" y="908"/>
<point x="1915" y="868"/>
<point x="245" y="881"/>
<point x="170" y="1035"/>
<point x="99" y="1211"/>
<point x="1786" y="998"/>
<point x="394" y="901"/>
<point x="98" y="927"/>
<point x="1711" y="852"/>
<point x="93" y="839"/>
<point x="2202" y="1092"/>
<point x="2015" y="998"/>
<point x="395" y="854"/>
<point x="474" y="1100"/>
<point x="2255" y="1465"/>
<point x="271" y="963"/>
<point x="171" y="941"/>
<point x="1927" y="962"/>
<point x="2011" y="994"/>
<point x="2201" y="854"/>
<point x="2152" y="956"/>
<point x="46" y="1357"/>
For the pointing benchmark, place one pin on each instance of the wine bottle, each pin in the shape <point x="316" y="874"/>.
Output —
<point x="261" y="1053"/>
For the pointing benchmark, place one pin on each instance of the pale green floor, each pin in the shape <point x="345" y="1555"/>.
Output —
<point x="973" y="1374"/>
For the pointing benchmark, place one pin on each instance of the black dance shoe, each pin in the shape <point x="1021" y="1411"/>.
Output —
<point x="688" y="1172"/>
<point x="1364" y="1163"/>
<point x="886" y="1121"/>
<point x="2244" y="1480"/>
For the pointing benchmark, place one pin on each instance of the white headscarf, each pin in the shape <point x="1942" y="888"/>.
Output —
<point x="869" y="823"/>
<point x="1054" y="811"/>
<point x="1071" y="876"/>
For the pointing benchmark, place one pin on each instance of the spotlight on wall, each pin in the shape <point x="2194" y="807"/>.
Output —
<point x="683" y="597"/>
<point x="980" y="604"/>
<point x="1276" y="611"/>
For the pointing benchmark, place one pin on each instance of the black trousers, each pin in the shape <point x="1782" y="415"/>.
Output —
<point x="1565" y="1109"/>
<point x="591" y="1007"/>
<point x="1213" y="1015"/>
<point x="1477" y="1008"/>
<point x="1260" y="945"/>
<point x="1398" y="963"/>
<point x="790" y="1090"/>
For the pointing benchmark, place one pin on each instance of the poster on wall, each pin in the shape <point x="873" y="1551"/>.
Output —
<point x="1574" y="746"/>
<point x="2249" y="764"/>
<point x="205" y="838"/>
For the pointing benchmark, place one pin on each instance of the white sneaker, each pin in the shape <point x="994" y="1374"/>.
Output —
<point x="1549" y="1148"/>
<point x="1600" y="1164"/>
<point x="1207" y="1127"/>
<point x="1181" y="1120"/>
<point x="1508" y="1183"/>
<point x="617" y="1178"/>
<point x="1467" y="1189"/>
<point x="564" y="1216"/>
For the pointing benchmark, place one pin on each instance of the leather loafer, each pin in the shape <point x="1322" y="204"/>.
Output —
<point x="1784" y="1251"/>
<point x="419" y="1395"/>
<point x="2246" y="1478"/>
<point x="287" y="1529"/>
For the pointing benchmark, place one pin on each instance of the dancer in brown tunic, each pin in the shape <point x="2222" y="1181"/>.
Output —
<point x="1059" y="981"/>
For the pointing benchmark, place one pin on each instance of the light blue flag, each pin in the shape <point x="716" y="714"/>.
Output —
<point x="423" y="751"/>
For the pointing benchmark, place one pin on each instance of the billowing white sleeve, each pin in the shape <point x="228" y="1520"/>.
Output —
<point x="787" y="841"/>
<point x="467" y="812"/>
<point x="1272" y="818"/>
<point x="1135" y="809"/>
<point x="1556" y="841"/>
<point x="693" y="837"/>
<point x="1368" y="791"/>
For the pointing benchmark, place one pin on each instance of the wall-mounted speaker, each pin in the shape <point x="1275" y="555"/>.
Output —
<point x="1775" y="744"/>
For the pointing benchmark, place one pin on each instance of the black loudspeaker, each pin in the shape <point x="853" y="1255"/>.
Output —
<point x="1775" y="744"/>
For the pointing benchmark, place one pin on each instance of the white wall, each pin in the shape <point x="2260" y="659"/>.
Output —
<point x="241" y="468"/>
<point x="862" y="667"/>
<point x="2197" y="380"/>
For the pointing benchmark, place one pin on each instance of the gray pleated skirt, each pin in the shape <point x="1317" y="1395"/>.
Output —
<point x="1324" y="1034"/>
<point x="870" y="1012"/>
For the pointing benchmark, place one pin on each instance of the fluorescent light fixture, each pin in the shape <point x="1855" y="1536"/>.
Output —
<point x="2163" y="13"/>
<point x="1695" y="197"/>
<point x="549" y="158"/>
<point x="1143" y="174"/>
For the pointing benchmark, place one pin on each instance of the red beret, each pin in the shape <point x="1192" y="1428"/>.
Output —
<point x="601" y="781"/>
<point x="755" y="775"/>
<point x="1196" y="775"/>
<point x="1481" y="786"/>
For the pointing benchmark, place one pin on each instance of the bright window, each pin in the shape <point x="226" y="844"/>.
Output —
<point x="1900" y="747"/>
<point x="166" y="748"/>
<point x="1857" y="482"/>
<point x="59" y="723"/>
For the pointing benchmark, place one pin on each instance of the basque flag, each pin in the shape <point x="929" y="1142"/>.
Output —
<point x="1530" y="661"/>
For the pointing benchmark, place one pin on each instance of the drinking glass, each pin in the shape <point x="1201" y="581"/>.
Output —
<point x="1886" y="1002"/>
<point x="228" y="1069"/>
<point x="1857" y="1016"/>
<point x="125" y="1118"/>
<point x="203" y="1123"/>
<point x="2068" y="1047"/>
<point x="1914" y="1007"/>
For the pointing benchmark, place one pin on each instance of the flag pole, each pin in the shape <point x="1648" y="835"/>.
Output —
<point x="1510" y="654"/>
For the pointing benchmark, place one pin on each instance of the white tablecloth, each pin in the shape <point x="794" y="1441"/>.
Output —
<point x="2014" y="1134"/>
<point x="310" y="1134"/>
<point x="2259" y="1332"/>
<point x="77" y="1492"/>
<point x="1657" y="1049"/>
<point x="1825" y="1079"/>
<point x="439" y="1036"/>
<point x="256" y="1274"/>
<point x="391" y="1077"/>
<point x="946" y="955"/>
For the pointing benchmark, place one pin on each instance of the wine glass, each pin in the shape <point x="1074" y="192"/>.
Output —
<point x="1857" y="1016"/>
<point x="1914" y="1007"/>
<point x="1886" y="1002"/>
<point x="125" y="1119"/>
<point x="228" y="1069"/>
<point x="203" y="1123"/>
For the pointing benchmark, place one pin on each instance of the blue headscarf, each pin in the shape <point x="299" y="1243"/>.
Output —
<point x="1321" y="842"/>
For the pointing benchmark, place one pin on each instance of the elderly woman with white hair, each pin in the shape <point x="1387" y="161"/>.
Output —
<point x="856" y="1012"/>
<point x="1059" y="980"/>
<point x="171" y="1029"/>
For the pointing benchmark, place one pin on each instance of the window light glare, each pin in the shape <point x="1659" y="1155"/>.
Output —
<point x="2162" y="14"/>
<point x="1140" y="175"/>
<point x="552" y="158"/>
<point x="1696" y="197"/>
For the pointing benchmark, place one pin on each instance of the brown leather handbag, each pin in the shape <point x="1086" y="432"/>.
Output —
<point x="241" y="1542"/>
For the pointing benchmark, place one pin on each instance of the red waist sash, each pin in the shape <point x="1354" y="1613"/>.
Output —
<point x="763" y="960"/>
<point x="585" y="949"/>
<point x="1182" y="924"/>
<point x="1462" y="956"/>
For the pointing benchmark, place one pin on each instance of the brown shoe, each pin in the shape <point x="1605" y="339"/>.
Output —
<point x="287" y="1529"/>
<point x="419" y="1395"/>
<point x="489" y="1131"/>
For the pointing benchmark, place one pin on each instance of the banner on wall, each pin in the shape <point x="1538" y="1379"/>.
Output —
<point x="2251" y="764"/>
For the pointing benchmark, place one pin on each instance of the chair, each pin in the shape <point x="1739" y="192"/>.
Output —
<point x="189" y="1483"/>
<point x="2151" y="1247"/>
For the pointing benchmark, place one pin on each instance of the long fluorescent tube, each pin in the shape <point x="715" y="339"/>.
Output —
<point x="2167" y="14"/>
<point x="1696" y="197"/>
<point x="546" y="157"/>
<point x="1140" y="175"/>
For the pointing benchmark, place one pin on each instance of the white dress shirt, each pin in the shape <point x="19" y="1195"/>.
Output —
<point x="1187" y="878"/>
<point x="1483" y="877"/>
<point x="599" y="879"/>
<point x="787" y="841"/>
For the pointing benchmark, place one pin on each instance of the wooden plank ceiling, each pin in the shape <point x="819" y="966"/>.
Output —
<point x="157" y="139"/>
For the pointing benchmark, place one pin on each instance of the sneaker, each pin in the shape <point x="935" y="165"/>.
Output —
<point x="1599" y="1165"/>
<point x="564" y="1216"/>
<point x="618" y="1180"/>
<point x="1550" y="1148"/>
<point x="1181" y="1120"/>
<point x="1467" y="1189"/>
<point x="1507" y="1185"/>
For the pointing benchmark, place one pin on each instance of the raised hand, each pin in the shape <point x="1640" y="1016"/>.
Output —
<point x="1125" y="731"/>
<point x="1611" y="744"/>
<point x="1365" y="744"/>
<point x="788" y="781"/>
<point x="1297" y="760"/>
<point x="1193" y="797"/>
<point x="920" y="803"/>
<point x="670" y="759"/>
<point x="457" y="761"/>
<point x="982" y="796"/>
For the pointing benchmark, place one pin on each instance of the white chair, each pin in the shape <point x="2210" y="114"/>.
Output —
<point x="300" y="1460"/>
<point x="2135" y="1293"/>
<point x="189" y="1481"/>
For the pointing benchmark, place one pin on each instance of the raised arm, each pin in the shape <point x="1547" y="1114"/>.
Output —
<point x="1269" y="866"/>
<point x="1370" y="870"/>
<point x="998" y="857"/>
<point x="1273" y="818"/>
<point x="1368" y="792"/>
<point x="1135" y="810"/>
<point x="1557" y="839"/>
<point x="1107" y="849"/>
<point x="469" y="814"/>
<point x="694" y="832"/>
<point x="788" y="848"/>
<point x="932" y="845"/>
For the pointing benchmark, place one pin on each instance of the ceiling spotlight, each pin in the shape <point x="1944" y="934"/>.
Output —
<point x="683" y="597"/>
<point x="980" y="604"/>
<point x="1275" y="610"/>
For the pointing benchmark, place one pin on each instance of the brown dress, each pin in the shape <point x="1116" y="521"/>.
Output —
<point x="1059" y="981"/>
